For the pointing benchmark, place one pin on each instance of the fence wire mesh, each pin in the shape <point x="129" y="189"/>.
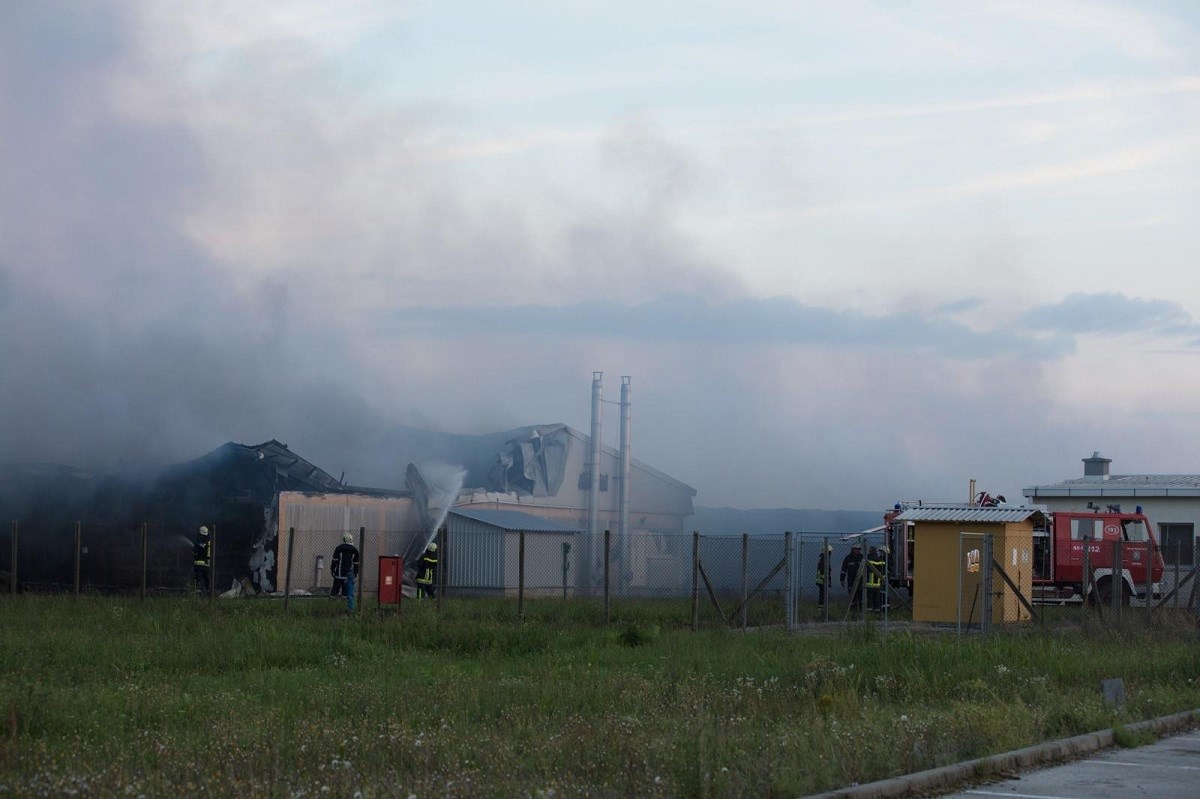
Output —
<point x="791" y="580"/>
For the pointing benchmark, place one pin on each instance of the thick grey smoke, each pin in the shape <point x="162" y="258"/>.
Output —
<point x="266" y="260"/>
<point x="126" y="341"/>
<point x="119" y="340"/>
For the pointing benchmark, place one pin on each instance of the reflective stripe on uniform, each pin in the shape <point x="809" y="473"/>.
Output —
<point x="875" y="573"/>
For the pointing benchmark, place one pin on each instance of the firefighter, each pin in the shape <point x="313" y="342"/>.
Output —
<point x="876" y="566"/>
<point x="822" y="568"/>
<point x="344" y="565"/>
<point x="427" y="568"/>
<point x="851" y="564"/>
<point x="202" y="560"/>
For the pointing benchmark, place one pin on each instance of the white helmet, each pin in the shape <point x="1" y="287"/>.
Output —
<point x="348" y="538"/>
<point x="203" y="530"/>
<point x="433" y="546"/>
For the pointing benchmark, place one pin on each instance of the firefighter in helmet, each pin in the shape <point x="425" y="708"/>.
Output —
<point x="876" y="567"/>
<point x="202" y="560"/>
<point x="427" y="568"/>
<point x="344" y="565"/>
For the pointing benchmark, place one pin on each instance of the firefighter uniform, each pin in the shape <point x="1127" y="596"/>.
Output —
<point x="202" y="560"/>
<point x="427" y="568"/>
<point x="344" y="565"/>
<point x="876" y="567"/>
<point x="822" y="568"/>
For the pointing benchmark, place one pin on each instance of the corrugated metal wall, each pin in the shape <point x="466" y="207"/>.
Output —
<point x="474" y="555"/>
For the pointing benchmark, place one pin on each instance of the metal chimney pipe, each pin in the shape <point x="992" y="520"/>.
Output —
<point x="594" y="458"/>
<point x="626" y="457"/>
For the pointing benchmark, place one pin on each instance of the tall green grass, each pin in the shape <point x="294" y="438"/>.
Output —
<point x="112" y="697"/>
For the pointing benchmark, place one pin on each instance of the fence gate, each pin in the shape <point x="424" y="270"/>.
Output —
<point x="974" y="582"/>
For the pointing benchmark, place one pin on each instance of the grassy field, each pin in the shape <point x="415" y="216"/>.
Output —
<point x="172" y="697"/>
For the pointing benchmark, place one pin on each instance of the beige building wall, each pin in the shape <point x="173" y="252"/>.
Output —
<point x="320" y="520"/>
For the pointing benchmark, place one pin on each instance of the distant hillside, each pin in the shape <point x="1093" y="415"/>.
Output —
<point x="762" y="521"/>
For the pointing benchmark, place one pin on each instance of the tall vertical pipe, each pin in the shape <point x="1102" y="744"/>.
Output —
<point x="594" y="458"/>
<point x="626" y="460"/>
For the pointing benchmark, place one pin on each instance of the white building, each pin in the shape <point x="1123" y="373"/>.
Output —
<point x="1170" y="501"/>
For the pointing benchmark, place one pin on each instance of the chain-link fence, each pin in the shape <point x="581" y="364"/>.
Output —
<point x="702" y="581"/>
<point x="89" y="557"/>
<point x="1074" y="582"/>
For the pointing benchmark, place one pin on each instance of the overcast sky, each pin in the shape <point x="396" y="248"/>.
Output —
<point x="849" y="252"/>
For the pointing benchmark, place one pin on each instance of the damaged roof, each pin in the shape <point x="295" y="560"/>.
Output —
<point x="287" y="470"/>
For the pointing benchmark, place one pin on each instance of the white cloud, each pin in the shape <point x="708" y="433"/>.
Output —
<point x="1124" y="27"/>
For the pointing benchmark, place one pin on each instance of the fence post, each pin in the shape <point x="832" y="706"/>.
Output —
<point x="1195" y="579"/>
<point x="287" y="574"/>
<point x="788" y="598"/>
<point x="1116" y="580"/>
<point x="12" y="575"/>
<point x="862" y="582"/>
<point x="566" y="549"/>
<point x="78" y="547"/>
<point x="1149" y="566"/>
<point x="987" y="573"/>
<point x="887" y="581"/>
<point x="521" y="575"/>
<point x="828" y="560"/>
<point x="961" y="564"/>
<point x="745" y="576"/>
<point x="607" y="554"/>
<point x="144" y="559"/>
<point x="1175" y="585"/>
<point x="212" y="564"/>
<point x="1086" y="578"/>
<point x="443" y="564"/>
<point x="362" y="567"/>
<point x="695" y="580"/>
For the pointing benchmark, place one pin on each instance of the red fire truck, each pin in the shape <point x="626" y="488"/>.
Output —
<point x="1058" y="552"/>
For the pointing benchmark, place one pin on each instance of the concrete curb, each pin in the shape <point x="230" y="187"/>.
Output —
<point x="948" y="777"/>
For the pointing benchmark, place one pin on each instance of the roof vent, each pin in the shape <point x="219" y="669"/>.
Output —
<point x="1095" y="467"/>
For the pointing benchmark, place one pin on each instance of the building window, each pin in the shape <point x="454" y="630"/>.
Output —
<point x="1177" y="542"/>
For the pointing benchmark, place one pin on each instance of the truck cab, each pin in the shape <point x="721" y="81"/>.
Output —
<point x="1099" y="538"/>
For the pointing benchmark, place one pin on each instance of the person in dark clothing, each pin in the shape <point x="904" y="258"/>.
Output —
<point x="427" y="568"/>
<point x="822" y="576"/>
<point x="851" y="564"/>
<point x="344" y="566"/>
<point x="202" y="560"/>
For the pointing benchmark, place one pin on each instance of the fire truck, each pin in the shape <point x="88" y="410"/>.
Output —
<point x="1059" y="541"/>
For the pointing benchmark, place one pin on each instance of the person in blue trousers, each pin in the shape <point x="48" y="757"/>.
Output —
<point x="345" y="565"/>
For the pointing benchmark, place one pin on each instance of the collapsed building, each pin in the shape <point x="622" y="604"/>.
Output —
<point x="255" y="496"/>
<point x="242" y="492"/>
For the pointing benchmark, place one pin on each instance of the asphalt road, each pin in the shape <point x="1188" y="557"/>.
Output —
<point x="1168" y="768"/>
